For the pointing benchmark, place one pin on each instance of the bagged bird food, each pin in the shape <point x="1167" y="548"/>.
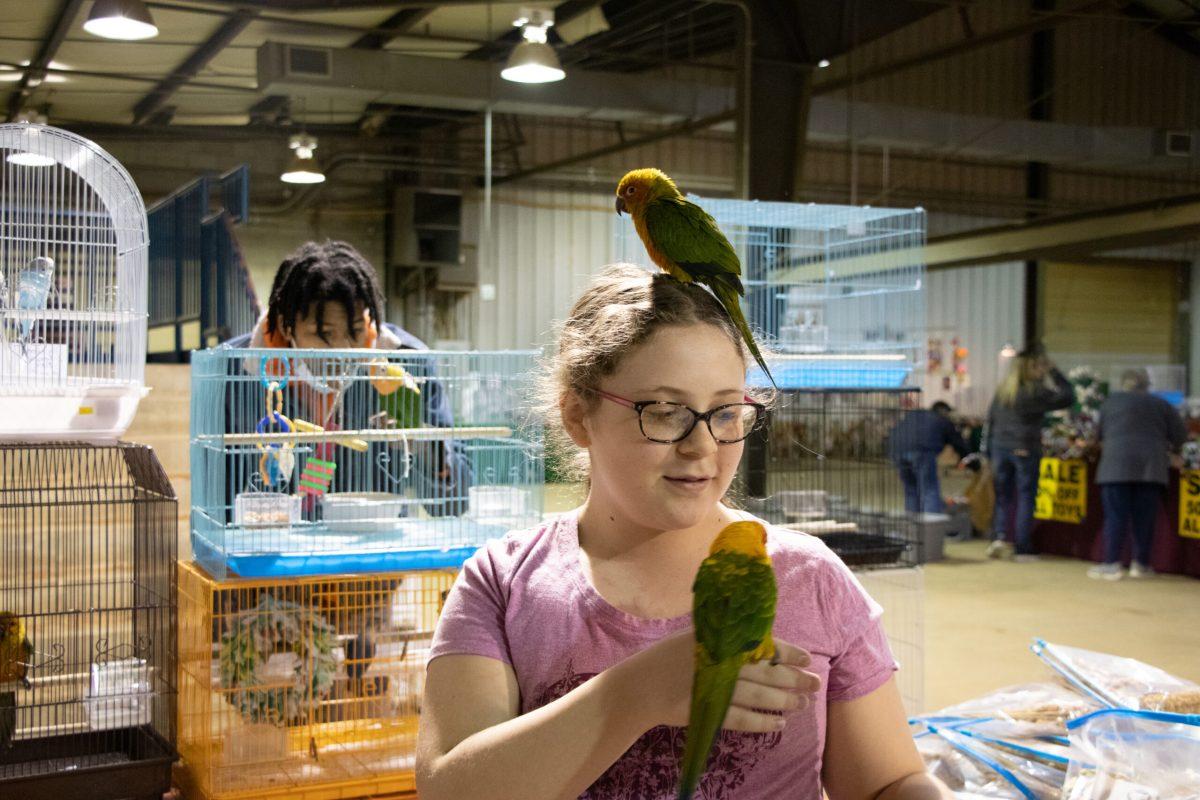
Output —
<point x="1115" y="681"/>
<point x="982" y="768"/>
<point x="1122" y="754"/>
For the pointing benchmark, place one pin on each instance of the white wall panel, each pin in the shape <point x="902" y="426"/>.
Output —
<point x="984" y="307"/>
<point x="546" y="246"/>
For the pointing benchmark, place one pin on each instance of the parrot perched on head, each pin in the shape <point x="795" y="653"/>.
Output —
<point x="685" y="242"/>
<point x="16" y="653"/>
<point x="733" y="609"/>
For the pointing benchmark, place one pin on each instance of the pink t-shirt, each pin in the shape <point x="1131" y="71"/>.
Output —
<point x="525" y="600"/>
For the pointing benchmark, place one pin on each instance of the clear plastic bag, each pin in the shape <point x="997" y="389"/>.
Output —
<point x="965" y="775"/>
<point x="1122" y="754"/>
<point x="1030" y="778"/>
<point x="1024" y="711"/>
<point x="1113" y="681"/>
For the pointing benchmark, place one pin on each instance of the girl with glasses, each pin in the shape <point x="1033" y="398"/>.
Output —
<point x="562" y="662"/>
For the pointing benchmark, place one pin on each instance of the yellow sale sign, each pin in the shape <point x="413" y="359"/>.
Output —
<point x="1189" y="503"/>
<point x="1062" y="490"/>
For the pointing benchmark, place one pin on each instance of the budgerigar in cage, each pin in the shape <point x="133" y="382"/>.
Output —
<point x="16" y="651"/>
<point x="685" y="242"/>
<point x="733" y="609"/>
<point x="33" y="290"/>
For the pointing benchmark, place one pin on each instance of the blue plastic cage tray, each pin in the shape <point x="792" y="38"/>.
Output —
<point x="411" y="545"/>
<point x="833" y="374"/>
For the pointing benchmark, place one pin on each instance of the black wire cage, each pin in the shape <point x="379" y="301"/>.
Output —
<point x="87" y="622"/>
<point x="820" y="464"/>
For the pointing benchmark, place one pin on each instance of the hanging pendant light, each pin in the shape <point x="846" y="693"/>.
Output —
<point x="23" y="158"/>
<point x="303" y="167"/>
<point x="533" y="60"/>
<point x="126" y="20"/>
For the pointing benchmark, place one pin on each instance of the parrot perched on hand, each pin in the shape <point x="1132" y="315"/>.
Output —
<point x="733" y="609"/>
<point x="16" y="653"/>
<point x="685" y="242"/>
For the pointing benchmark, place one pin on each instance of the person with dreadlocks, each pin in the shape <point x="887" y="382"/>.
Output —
<point x="325" y="295"/>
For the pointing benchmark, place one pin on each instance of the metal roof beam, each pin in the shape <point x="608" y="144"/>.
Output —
<point x="191" y="66"/>
<point x="1038" y="23"/>
<point x="1176" y="35"/>
<point x="396" y="25"/>
<point x="1071" y="236"/>
<point x="36" y="72"/>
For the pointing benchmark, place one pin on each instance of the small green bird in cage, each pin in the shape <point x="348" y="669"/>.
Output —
<point x="400" y="396"/>
<point x="16" y="653"/>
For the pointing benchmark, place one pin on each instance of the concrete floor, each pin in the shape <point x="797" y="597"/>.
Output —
<point x="980" y="616"/>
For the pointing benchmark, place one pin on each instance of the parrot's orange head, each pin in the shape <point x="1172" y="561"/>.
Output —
<point x="743" y="536"/>
<point x="640" y="187"/>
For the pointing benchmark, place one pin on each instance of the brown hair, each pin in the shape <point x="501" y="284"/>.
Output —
<point x="622" y="308"/>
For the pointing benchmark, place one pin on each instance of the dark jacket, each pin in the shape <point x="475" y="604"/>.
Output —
<point x="441" y="470"/>
<point x="923" y="430"/>
<point x="1019" y="426"/>
<point x="1137" y="430"/>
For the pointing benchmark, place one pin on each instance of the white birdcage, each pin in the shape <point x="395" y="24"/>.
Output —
<point x="73" y="247"/>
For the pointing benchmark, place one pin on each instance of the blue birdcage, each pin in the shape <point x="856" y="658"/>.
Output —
<point x="320" y="462"/>
<point x="837" y="292"/>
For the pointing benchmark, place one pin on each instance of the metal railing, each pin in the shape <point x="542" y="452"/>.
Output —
<point x="200" y="287"/>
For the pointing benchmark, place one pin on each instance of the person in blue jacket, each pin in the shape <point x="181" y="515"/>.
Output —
<point x="914" y="446"/>
<point x="325" y="296"/>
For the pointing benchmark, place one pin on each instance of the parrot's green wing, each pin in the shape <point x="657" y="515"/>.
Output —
<point x="733" y="604"/>
<point x="686" y="234"/>
<point x="733" y="608"/>
<point x="403" y="407"/>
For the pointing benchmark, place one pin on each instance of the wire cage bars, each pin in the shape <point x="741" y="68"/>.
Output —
<point x="73" y="241"/>
<point x="308" y="688"/>
<point x="319" y="462"/>
<point x="821" y="465"/>
<point x="87" y="622"/>
<point x="826" y="281"/>
<point x="901" y="593"/>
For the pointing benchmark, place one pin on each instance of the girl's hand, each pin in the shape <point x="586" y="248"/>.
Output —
<point x="659" y="682"/>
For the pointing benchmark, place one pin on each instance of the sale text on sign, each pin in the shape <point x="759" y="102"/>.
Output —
<point x="1189" y="503"/>
<point x="1062" y="490"/>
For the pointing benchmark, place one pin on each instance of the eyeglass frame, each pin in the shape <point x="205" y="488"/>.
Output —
<point x="697" y="416"/>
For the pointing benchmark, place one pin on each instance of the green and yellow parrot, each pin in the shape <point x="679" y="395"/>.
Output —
<point x="16" y="653"/>
<point x="733" y="609"/>
<point x="685" y="242"/>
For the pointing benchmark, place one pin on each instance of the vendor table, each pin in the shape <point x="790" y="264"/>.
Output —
<point x="1171" y="552"/>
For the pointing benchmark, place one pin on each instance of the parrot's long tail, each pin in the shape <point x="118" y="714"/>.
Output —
<point x="8" y="719"/>
<point x="712" y="692"/>
<point x="730" y="300"/>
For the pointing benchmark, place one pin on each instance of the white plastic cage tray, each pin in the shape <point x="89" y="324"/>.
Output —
<point x="119" y="695"/>
<point x="73" y="259"/>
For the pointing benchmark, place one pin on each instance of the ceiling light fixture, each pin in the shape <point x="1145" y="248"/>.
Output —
<point x="303" y="167"/>
<point x="126" y="20"/>
<point x="533" y="60"/>
<point x="823" y="63"/>
<point x="24" y="158"/>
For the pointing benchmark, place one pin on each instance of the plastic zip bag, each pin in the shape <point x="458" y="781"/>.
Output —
<point x="964" y="774"/>
<point x="1046" y="753"/>
<point x="1113" y="681"/>
<point x="1032" y="779"/>
<point x="1025" y="710"/>
<point x="1121" y="754"/>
